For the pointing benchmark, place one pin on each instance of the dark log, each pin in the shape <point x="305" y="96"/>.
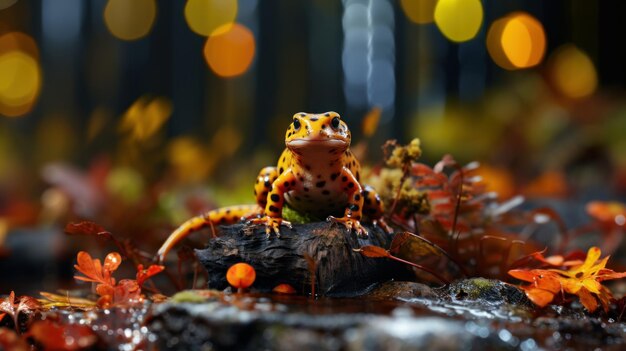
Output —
<point x="339" y="271"/>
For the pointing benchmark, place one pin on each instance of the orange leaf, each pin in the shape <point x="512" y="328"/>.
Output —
<point x="585" y="297"/>
<point x="372" y="251"/>
<point x="541" y="278"/>
<point x="539" y="297"/>
<point x="112" y="261"/>
<point x="145" y="274"/>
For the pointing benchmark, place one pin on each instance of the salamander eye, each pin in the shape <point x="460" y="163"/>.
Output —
<point x="296" y="124"/>
<point x="335" y="123"/>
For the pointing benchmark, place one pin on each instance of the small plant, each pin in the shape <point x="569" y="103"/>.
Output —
<point x="112" y="292"/>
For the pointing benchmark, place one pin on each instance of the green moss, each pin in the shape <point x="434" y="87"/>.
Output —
<point x="295" y="217"/>
<point x="188" y="296"/>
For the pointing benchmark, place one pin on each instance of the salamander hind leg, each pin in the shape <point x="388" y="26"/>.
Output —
<point x="373" y="208"/>
<point x="262" y="188"/>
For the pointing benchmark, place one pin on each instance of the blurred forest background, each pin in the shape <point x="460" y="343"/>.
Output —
<point x="137" y="114"/>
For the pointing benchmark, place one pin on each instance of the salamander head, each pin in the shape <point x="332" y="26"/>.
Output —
<point x="324" y="131"/>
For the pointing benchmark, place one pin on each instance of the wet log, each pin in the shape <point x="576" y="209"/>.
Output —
<point x="315" y="252"/>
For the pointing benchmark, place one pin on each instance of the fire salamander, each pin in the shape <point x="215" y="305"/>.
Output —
<point x="316" y="174"/>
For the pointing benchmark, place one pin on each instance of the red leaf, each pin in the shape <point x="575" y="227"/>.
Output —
<point x="145" y="274"/>
<point x="87" y="228"/>
<point x="54" y="336"/>
<point x="421" y="170"/>
<point x="372" y="251"/>
<point x="9" y="340"/>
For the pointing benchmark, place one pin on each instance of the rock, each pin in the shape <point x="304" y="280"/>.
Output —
<point x="338" y="270"/>
<point x="485" y="290"/>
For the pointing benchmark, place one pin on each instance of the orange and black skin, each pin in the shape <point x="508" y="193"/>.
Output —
<point x="316" y="174"/>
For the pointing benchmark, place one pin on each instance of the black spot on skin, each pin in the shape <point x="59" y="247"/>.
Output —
<point x="320" y="184"/>
<point x="344" y="179"/>
<point x="264" y="194"/>
<point x="273" y="209"/>
<point x="227" y="211"/>
<point x="351" y="185"/>
<point x="327" y="114"/>
<point x="293" y="183"/>
<point x="357" y="197"/>
<point x="275" y="197"/>
<point x="223" y="220"/>
<point x="255" y="192"/>
<point x="319" y="176"/>
<point x="306" y="189"/>
<point x="303" y="114"/>
<point x="268" y="184"/>
<point x="284" y="157"/>
<point x="377" y="200"/>
<point x="325" y="192"/>
<point x="314" y="119"/>
<point x="354" y="207"/>
<point x="280" y="170"/>
<point x="307" y="167"/>
<point x="368" y="201"/>
<point x="334" y="176"/>
<point x="297" y="198"/>
<point x="324" y="126"/>
<point x="357" y="176"/>
<point x="301" y="179"/>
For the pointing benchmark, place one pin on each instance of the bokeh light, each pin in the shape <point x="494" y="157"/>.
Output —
<point x="572" y="72"/>
<point x="17" y="41"/>
<point x="145" y="117"/>
<point x="516" y="41"/>
<point x="419" y="11"/>
<point x="20" y="74"/>
<point x="6" y="3"/>
<point x="230" y="52"/>
<point x="459" y="20"/>
<point x="130" y="20"/>
<point x="205" y="17"/>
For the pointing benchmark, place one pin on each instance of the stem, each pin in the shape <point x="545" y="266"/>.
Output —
<point x="405" y="175"/>
<point x="443" y="252"/>
<point x="418" y="266"/>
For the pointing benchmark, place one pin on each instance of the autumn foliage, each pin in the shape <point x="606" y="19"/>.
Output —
<point x="112" y="292"/>
<point x="583" y="280"/>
